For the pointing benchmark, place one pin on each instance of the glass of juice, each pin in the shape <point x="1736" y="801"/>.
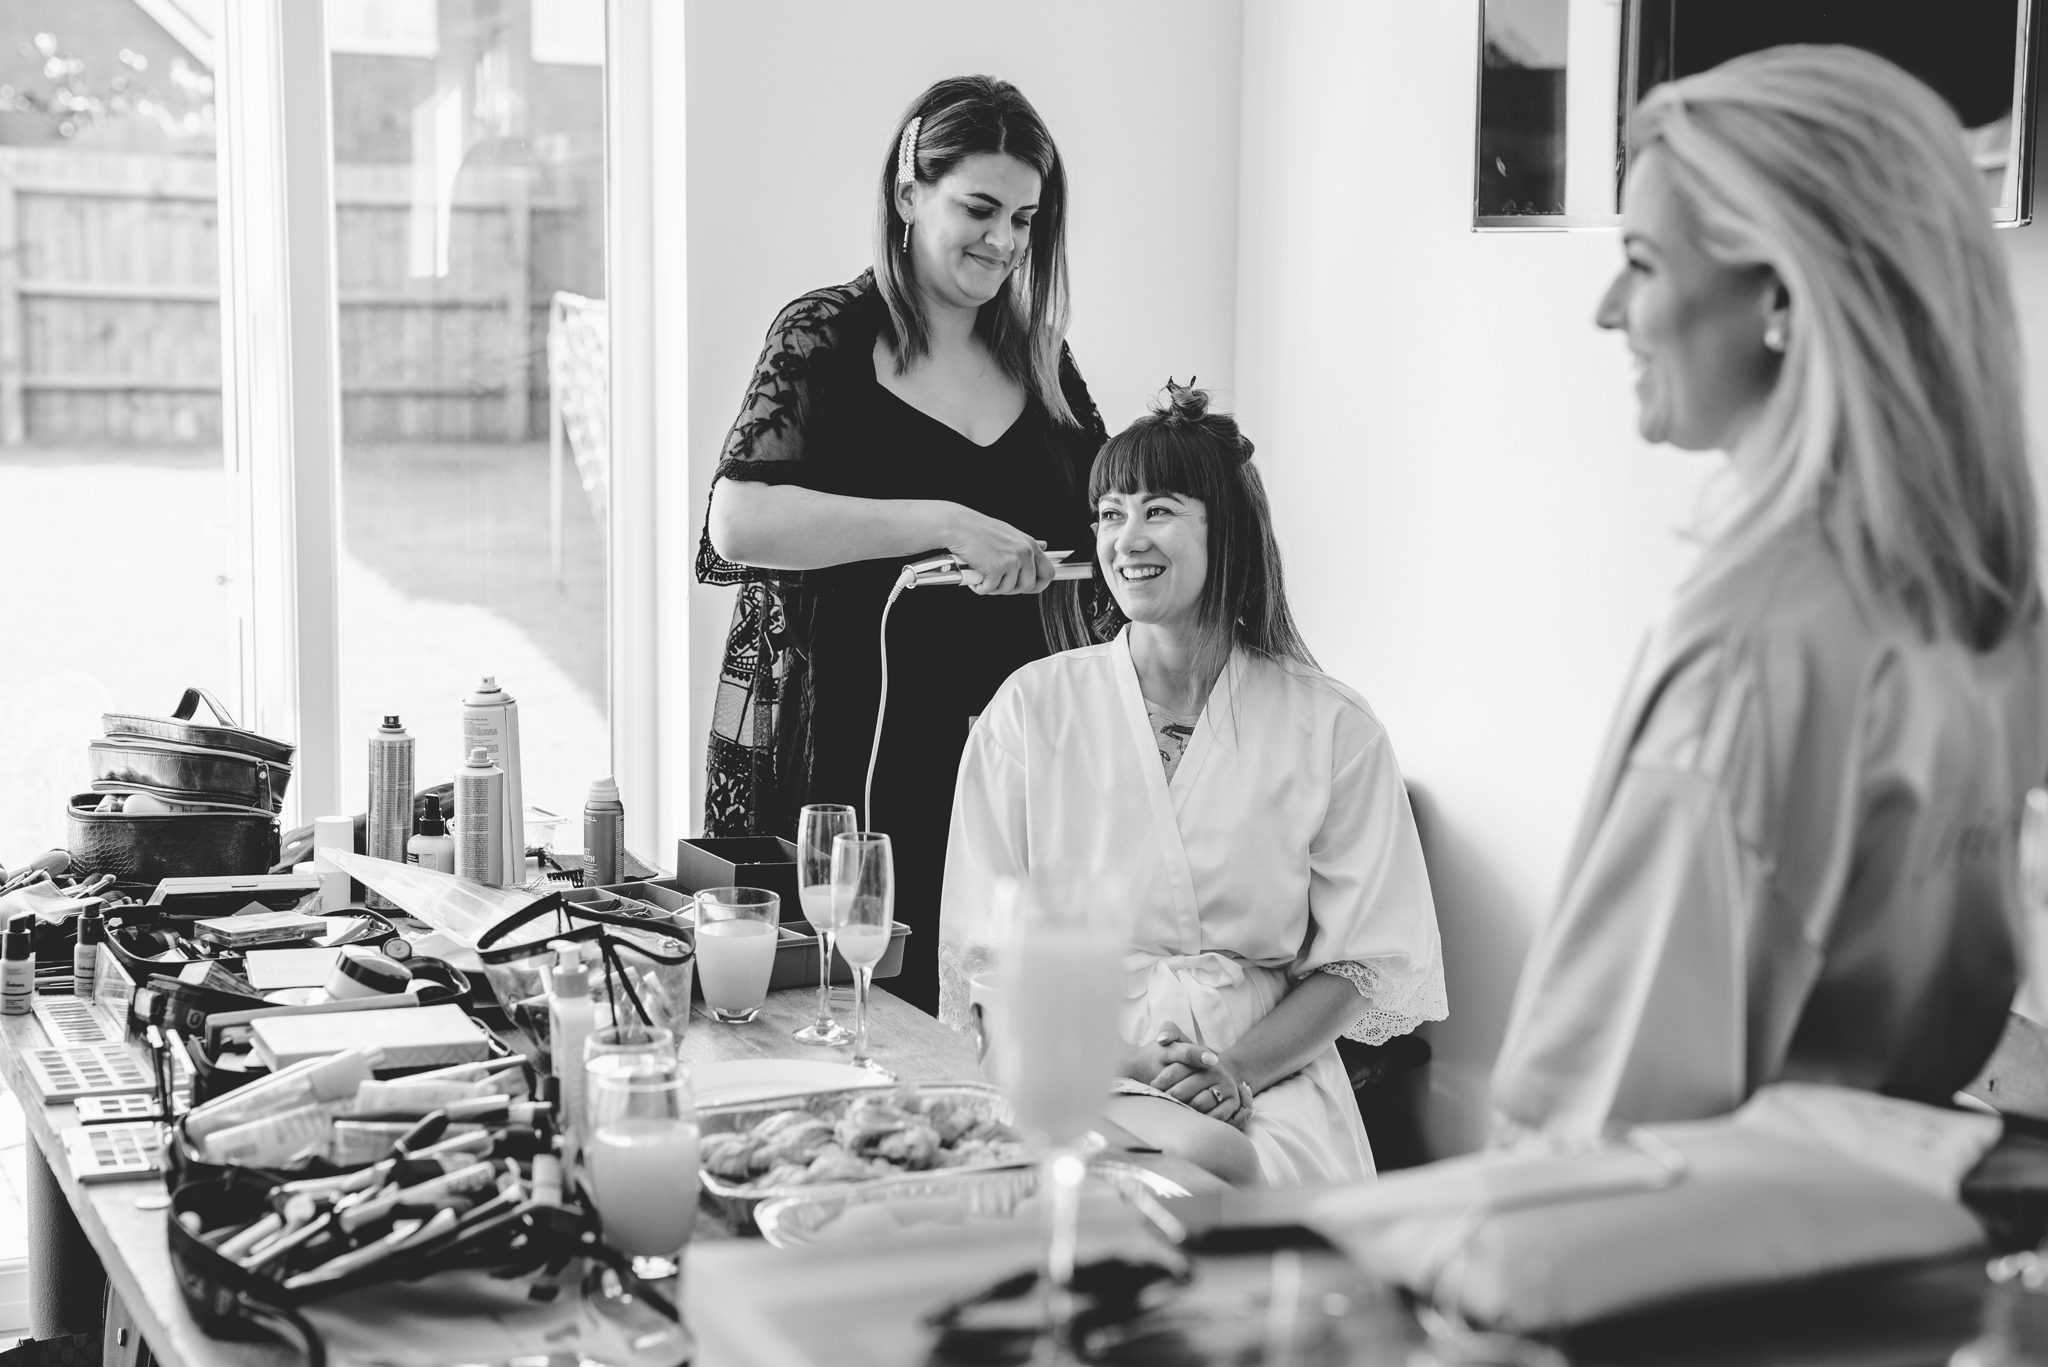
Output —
<point x="817" y="826"/>
<point x="863" y="905"/>
<point x="736" y="934"/>
<point x="1053" y="1048"/>
<point x="640" y="1163"/>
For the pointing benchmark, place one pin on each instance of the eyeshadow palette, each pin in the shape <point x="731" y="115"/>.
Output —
<point x="98" y="1110"/>
<point x="113" y="1153"/>
<point x="67" y="1020"/>
<point x="67" y="1072"/>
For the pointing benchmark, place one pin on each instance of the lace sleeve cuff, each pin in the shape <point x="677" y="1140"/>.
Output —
<point x="1400" y="997"/>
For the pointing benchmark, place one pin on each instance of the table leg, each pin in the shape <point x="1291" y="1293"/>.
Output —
<point x="65" y="1281"/>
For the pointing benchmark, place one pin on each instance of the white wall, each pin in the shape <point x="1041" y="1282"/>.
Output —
<point x="790" y="109"/>
<point x="1475" y="536"/>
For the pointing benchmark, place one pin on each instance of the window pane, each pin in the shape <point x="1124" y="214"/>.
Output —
<point x="469" y="239"/>
<point x="113" y="565"/>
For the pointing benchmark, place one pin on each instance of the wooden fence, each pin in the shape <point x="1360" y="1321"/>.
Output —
<point x="109" y="300"/>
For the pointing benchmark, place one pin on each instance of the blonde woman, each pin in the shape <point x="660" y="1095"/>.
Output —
<point x="1797" y="858"/>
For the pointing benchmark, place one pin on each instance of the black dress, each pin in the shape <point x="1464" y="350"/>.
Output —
<point x="801" y="684"/>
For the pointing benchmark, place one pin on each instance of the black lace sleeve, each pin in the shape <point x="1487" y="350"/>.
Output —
<point x="766" y="443"/>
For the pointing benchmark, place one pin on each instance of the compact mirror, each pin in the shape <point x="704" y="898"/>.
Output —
<point x="1559" y="79"/>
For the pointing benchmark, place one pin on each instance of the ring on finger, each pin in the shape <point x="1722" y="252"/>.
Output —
<point x="1216" y="1096"/>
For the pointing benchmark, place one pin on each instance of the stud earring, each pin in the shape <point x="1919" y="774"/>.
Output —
<point x="1774" y="338"/>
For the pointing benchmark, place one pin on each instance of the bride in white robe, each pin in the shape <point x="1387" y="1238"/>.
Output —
<point x="1244" y="820"/>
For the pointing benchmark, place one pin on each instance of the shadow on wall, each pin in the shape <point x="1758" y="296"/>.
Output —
<point x="1484" y="944"/>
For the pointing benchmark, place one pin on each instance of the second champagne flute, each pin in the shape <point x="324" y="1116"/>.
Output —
<point x="863" y="904"/>
<point x="817" y="826"/>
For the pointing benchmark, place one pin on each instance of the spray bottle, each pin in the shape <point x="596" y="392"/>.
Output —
<point x="572" y="1014"/>
<point x="385" y="835"/>
<point x="604" y="834"/>
<point x="479" y="801"/>
<point x="85" y="955"/>
<point x="490" y="719"/>
<point x="431" y="847"/>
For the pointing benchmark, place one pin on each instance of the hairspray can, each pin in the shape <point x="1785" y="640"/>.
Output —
<point x="479" y="799"/>
<point x="390" y="821"/>
<point x="604" y="834"/>
<point x="490" y="719"/>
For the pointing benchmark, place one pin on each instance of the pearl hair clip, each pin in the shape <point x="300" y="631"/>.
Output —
<point x="906" y="153"/>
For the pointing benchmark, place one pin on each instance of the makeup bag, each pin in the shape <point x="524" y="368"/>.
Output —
<point x="228" y="1301"/>
<point x="223" y="785"/>
<point x="182" y="760"/>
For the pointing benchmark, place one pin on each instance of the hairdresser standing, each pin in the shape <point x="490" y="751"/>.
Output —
<point x="929" y="405"/>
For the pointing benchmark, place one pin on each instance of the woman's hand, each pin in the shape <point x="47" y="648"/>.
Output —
<point x="1203" y="1078"/>
<point x="998" y="557"/>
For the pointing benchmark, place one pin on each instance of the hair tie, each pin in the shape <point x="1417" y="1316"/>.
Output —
<point x="906" y="153"/>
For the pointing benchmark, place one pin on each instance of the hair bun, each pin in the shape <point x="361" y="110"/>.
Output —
<point x="1186" y="404"/>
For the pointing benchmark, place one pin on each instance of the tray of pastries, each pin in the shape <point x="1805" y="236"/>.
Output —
<point x="755" y="1151"/>
<point x="941" y="1199"/>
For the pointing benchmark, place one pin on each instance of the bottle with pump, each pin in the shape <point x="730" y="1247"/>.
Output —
<point x="572" y="1014"/>
<point x="18" y="965"/>
<point x="85" y="955"/>
<point x="604" y="834"/>
<point x="431" y="847"/>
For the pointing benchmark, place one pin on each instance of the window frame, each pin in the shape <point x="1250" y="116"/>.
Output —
<point x="281" y="400"/>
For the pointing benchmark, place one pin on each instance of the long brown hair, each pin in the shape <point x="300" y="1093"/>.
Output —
<point x="1182" y="448"/>
<point x="1026" y="322"/>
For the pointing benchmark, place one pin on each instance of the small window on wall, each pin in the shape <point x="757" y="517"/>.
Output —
<point x="469" y="239"/>
<point x="1559" y="80"/>
<point x="119" y="541"/>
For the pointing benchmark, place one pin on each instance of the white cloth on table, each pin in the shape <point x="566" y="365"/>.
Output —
<point x="1282" y="845"/>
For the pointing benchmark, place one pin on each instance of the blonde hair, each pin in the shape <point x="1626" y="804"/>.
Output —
<point x="1897" y="415"/>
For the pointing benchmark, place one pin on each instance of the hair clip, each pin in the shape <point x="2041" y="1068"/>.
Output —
<point x="906" y="153"/>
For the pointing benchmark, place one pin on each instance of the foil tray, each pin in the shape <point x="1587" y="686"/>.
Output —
<point x="949" y="1197"/>
<point x="734" y="1203"/>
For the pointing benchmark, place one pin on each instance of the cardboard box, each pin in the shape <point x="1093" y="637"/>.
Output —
<point x="741" y="861"/>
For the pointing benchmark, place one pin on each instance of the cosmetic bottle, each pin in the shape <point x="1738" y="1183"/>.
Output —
<point x="333" y="833"/>
<point x="85" y="955"/>
<point x="479" y="804"/>
<point x="604" y="834"/>
<point x="431" y="847"/>
<point x="571" y="1017"/>
<point x="18" y="965"/>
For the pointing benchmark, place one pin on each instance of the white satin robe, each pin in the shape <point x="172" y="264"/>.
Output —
<point x="1284" y="844"/>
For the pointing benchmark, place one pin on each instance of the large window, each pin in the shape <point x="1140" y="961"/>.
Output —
<point x="468" y="182"/>
<point x="117" y="556"/>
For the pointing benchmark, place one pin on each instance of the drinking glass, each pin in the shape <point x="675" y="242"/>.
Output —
<point x="648" y="1043"/>
<point x="863" y="906"/>
<point x="640" y="1164"/>
<point x="736" y="933"/>
<point x="817" y="826"/>
<point x="1054" y="1013"/>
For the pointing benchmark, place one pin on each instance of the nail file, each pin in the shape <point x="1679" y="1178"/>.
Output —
<point x="113" y="1153"/>
<point x="67" y="1020"/>
<point x="66" y="1072"/>
<point x="99" y="1110"/>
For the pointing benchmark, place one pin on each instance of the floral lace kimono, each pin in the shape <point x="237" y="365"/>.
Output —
<point x="798" y="693"/>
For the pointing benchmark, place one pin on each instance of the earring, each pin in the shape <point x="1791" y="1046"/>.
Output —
<point x="1774" y="338"/>
<point x="906" y="235"/>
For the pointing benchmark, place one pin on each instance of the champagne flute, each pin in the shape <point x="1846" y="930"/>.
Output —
<point x="1055" y="1018"/>
<point x="641" y="1159"/>
<point x="816" y="828"/>
<point x="863" y="903"/>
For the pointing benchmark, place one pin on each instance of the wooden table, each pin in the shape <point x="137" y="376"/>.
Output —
<point x="751" y="1304"/>
<point x="130" y="1241"/>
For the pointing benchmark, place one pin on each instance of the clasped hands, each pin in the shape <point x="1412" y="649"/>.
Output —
<point x="1203" y="1078"/>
